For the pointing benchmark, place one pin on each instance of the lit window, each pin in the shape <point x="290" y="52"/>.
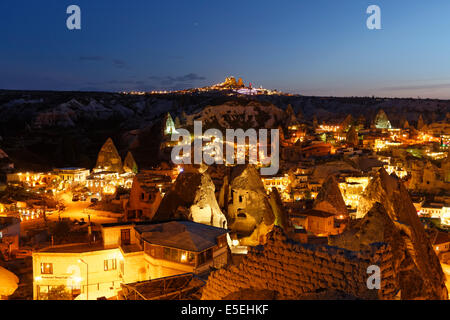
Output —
<point x="46" y="268"/>
<point x="110" y="264"/>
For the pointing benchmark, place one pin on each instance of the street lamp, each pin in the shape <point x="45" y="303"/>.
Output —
<point x="87" y="277"/>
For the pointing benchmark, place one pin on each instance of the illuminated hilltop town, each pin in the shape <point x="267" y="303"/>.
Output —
<point x="230" y="86"/>
<point x="349" y="193"/>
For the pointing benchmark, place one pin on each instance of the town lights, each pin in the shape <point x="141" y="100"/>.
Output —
<point x="37" y="278"/>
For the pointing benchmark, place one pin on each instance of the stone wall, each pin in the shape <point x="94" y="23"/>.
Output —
<point x="293" y="270"/>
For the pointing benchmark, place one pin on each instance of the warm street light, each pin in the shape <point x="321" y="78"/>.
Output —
<point x="87" y="277"/>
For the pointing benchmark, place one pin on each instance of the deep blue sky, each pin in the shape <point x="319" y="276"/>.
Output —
<point x="314" y="47"/>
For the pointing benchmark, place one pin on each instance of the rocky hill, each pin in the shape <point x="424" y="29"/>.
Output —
<point x="237" y="115"/>
<point x="68" y="128"/>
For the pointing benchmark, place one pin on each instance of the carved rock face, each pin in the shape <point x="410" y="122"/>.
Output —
<point x="388" y="215"/>
<point x="249" y="210"/>
<point x="192" y="198"/>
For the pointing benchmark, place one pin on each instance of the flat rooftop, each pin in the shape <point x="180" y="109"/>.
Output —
<point x="70" y="169"/>
<point x="184" y="235"/>
<point x="75" y="248"/>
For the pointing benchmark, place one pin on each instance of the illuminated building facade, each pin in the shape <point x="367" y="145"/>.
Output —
<point x="316" y="222"/>
<point x="352" y="189"/>
<point x="397" y="170"/>
<point x="33" y="179"/>
<point x="72" y="175"/>
<point x="106" y="182"/>
<point x="129" y="253"/>
<point x="281" y="183"/>
<point x="82" y="271"/>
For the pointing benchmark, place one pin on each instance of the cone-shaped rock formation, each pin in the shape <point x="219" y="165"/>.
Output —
<point x="192" y="198"/>
<point x="108" y="157"/>
<point x="390" y="216"/>
<point x="330" y="198"/>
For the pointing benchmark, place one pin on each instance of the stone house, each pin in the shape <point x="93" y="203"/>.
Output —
<point x="319" y="223"/>
<point x="146" y="195"/>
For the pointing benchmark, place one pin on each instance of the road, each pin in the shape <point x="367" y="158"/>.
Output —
<point x="79" y="209"/>
<point x="73" y="210"/>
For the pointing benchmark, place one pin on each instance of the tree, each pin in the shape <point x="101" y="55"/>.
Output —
<point x="57" y="293"/>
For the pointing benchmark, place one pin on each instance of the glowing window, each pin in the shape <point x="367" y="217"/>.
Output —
<point x="110" y="264"/>
<point x="46" y="268"/>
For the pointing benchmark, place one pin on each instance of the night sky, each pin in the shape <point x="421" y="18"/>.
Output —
<point x="319" y="47"/>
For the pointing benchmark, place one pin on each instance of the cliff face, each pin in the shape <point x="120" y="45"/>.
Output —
<point x="234" y="115"/>
<point x="330" y="198"/>
<point x="388" y="215"/>
<point x="57" y="129"/>
<point x="192" y="198"/>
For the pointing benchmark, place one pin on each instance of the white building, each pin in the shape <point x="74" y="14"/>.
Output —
<point x="129" y="253"/>
<point x="437" y="211"/>
<point x="76" y="175"/>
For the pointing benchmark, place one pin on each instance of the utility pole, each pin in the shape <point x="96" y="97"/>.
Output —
<point x="89" y="228"/>
<point x="87" y="277"/>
